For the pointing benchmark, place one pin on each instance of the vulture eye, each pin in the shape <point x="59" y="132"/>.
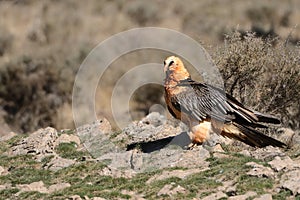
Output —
<point x="164" y="62"/>
<point x="171" y="63"/>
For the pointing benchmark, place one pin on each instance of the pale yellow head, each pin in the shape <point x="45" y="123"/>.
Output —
<point x="174" y="69"/>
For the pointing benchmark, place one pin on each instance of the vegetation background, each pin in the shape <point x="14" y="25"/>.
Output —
<point x="42" y="44"/>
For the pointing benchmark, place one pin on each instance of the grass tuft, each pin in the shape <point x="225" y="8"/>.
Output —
<point x="69" y="150"/>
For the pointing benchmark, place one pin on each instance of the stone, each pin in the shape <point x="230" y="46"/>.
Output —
<point x="218" y="148"/>
<point x="231" y="190"/>
<point x="96" y="139"/>
<point x="86" y="197"/>
<point x="39" y="143"/>
<point x="214" y="196"/>
<point x="244" y="196"/>
<point x="155" y="119"/>
<point x="178" y="189"/>
<point x="220" y="155"/>
<point x="58" y="186"/>
<point x="171" y="190"/>
<point x="58" y="163"/>
<point x="216" y="139"/>
<point x="260" y="170"/>
<point x="296" y="139"/>
<point x="5" y="186"/>
<point x="285" y="164"/>
<point x="105" y="126"/>
<point x="291" y="181"/>
<point x="97" y="198"/>
<point x="75" y="197"/>
<point x="164" y="158"/>
<point x="286" y="136"/>
<point x="165" y="190"/>
<point x="153" y="127"/>
<point x="267" y="153"/>
<point x="117" y="173"/>
<point x="3" y="171"/>
<point x="245" y="153"/>
<point x="218" y="152"/>
<point x="264" y="197"/>
<point x="35" y="186"/>
<point x="229" y="187"/>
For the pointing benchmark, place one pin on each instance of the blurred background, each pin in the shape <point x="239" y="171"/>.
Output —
<point x="42" y="44"/>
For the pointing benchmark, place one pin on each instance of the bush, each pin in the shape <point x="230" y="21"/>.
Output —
<point x="6" y="40"/>
<point x="31" y="91"/>
<point x="143" y="12"/>
<point x="262" y="74"/>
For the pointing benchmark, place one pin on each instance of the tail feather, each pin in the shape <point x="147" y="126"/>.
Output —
<point x="251" y="115"/>
<point x="265" y="118"/>
<point x="250" y="136"/>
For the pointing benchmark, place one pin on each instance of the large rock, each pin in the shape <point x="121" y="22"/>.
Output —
<point x="58" y="186"/>
<point x="284" y="164"/>
<point x="264" y="197"/>
<point x="291" y="181"/>
<point x="58" y="163"/>
<point x="3" y="171"/>
<point x="96" y="138"/>
<point x="152" y="128"/>
<point x="117" y="173"/>
<point x="153" y="143"/>
<point x="163" y="158"/>
<point x="5" y="186"/>
<point x="171" y="190"/>
<point x="260" y="170"/>
<point x="267" y="153"/>
<point x="288" y="136"/>
<point x="229" y="187"/>
<point x="35" y="186"/>
<point x="40" y="143"/>
<point x="74" y="197"/>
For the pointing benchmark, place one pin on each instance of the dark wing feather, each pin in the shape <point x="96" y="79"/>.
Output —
<point x="202" y="101"/>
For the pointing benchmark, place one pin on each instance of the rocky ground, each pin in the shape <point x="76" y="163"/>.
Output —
<point x="146" y="160"/>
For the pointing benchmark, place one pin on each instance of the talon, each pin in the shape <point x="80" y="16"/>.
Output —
<point x="191" y="146"/>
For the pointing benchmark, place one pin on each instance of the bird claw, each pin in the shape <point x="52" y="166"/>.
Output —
<point x="191" y="146"/>
<point x="194" y="146"/>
